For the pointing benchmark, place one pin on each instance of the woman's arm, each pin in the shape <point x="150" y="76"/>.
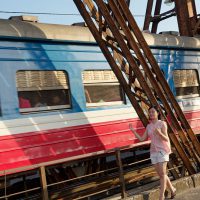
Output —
<point x="163" y="132"/>
<point x="141" y="138"/>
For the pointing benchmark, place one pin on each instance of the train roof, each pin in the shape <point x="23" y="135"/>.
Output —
<point x="34" y="30"/>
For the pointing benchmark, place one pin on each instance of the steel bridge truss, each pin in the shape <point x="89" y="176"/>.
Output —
<point x="184" y="10"/>
<point x="123" y="45"/>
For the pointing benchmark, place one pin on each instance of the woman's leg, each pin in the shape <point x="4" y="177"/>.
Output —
<point x="169" y="185"/>
<point x="163" y="179"/>
<point x="161" y="170"/>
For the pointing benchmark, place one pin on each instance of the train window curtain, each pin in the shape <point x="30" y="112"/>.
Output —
<point x="186" y="83"/>
<point x="42" y="90"/>
<point x="102" y="88"/>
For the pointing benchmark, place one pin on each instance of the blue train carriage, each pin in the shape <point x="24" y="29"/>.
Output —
<point x="59" y="98"/>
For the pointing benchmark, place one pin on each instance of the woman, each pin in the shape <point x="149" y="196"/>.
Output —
<point x="160" y="149"/>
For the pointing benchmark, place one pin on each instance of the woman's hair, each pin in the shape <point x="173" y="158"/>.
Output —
<point x="156" y="108"/>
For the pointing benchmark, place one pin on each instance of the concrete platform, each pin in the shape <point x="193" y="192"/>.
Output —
<point x="191" y="194"/>
<point x="188" y="188"/>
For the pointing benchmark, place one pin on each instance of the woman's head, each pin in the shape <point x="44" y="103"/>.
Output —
<point x="154" y="113"/>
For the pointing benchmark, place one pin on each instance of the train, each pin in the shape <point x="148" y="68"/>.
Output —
<point x="60" y="99"/>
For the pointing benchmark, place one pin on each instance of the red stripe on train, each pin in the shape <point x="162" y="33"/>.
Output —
<point x="32" y="148"/>
<point x="43" y="146"/>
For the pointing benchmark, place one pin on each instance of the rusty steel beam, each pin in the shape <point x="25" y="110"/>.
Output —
<point x="87" y="17"/>
<point x="157" y="17"/>
<point x="192" y="13"/>
<point x="124" y="40"/>
<point x="156" y="13"/>
<point x="186" y="16"/>
<point x="186" y="13"/>
<point x="197" y="28"/>
<point x="159" y="75"/>
<point x="148" y="16"/>
<point x="117" y="54"/>
<point x="128" y="2"/>
<point x="182" y="12"/>
<point x="148" y="72"/>
<point x="195" y="147"/>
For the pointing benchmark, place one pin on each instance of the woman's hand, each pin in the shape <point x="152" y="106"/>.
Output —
<point x="158" y="131"/>
<point x="141" y="138"/>
<point x="161" y="134"/>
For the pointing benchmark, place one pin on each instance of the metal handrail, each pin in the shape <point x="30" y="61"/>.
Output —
<point x="21" y="192"/>
<point x="38" y="166"/>
<point x="44" y="186"/>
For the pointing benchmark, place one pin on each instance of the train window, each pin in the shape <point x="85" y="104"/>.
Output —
<point x="102" y="88"/>
<point x="42" y="90"/>
<point x="186" y="83"/>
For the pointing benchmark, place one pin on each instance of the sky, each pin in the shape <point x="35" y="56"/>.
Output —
<point x="138" y="7"/>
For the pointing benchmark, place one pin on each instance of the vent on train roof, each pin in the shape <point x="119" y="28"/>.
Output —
<point x="174" y="33"/>
<point x="26" y="18"/>
<point x="83" y="24"/>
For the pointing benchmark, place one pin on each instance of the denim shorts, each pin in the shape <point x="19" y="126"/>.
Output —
<point x="159" y="157"/>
